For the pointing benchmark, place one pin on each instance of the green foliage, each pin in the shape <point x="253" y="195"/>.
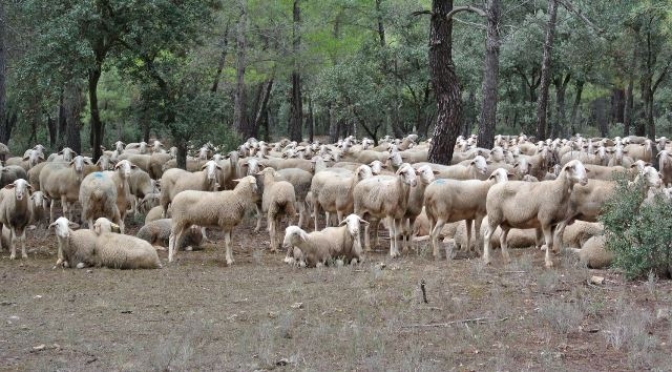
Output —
<point x="639" y="235"/>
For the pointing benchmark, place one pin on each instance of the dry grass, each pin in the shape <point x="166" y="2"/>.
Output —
<point x="198" y="314"/>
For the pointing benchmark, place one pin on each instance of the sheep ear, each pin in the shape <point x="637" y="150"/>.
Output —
<point x="436" y="172"/>
<point x="509" y="175"/>
<point x="366" y="223"/>
<point x="516" y="165"/>
<point x="133" y="166"/>
<point x="587" y="170"/>
<point x="52" y="225"/>
<point x="10" y="186"/>
<point x="73" y="225"/>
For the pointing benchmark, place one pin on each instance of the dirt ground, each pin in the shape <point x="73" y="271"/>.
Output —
<point x="261" y="314"/>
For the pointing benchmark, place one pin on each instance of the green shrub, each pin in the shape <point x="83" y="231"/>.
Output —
<point x="639" y="235"/>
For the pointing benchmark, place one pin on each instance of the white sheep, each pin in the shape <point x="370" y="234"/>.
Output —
<point x="98" y="196"/>
<point x="60" y="181"/>
<point x="176" y="180"/>
<point x="415" y="202"/>
<point x="593" y="253"/>
<point x="224" y="209"/>
<point x="525" y="205"/>
<point x="278" y="200"/>
<point x="75" y="247"/>
<point x="319" y="247"/>
<point x="449" y="201"/>
<point x="38" y="207"/>
<point x="157" y="233"/>
<point x="15" y="213"/>
<point x="385" y="197"/>
<point x="119" y="251"/>
<point x="154" y="214"/>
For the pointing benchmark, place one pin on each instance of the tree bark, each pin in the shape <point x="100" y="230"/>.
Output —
<point x="575" y="105"/>
<point x="240" y="102"/>
<point x="296" y="111"/>
<point x="629" y="105"/>
<point x="222" y="58"/>
<point x="542" y="102"/>
<point x="96" y="124"/>
<point x="617" y="105"/>
<point x="266" y="95"/>
<point x="488" y="120"/>
<point x="445" y="83"/>
<point x="72" y="102"/>
<point x="4" y="133"/>
<point x="560" y="125"/>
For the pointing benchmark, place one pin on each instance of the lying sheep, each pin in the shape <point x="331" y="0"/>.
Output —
<point x="319" y="247"/>
<point x="141" y="184"/>
<point x="154" y="214"/>
<point x="119" y="251"/>
<point x="453" y="200"/>
<point x="15" y="213"/>
<point x="525" y="205"/>
<point x="149" y="202"/>
<point x="224" y="209"/>
<point x="157" y="233"/>
<point x="593" y="253"/>
<point x="278" y="200"/>
<point x="75" y="247"/>
<point x="576" y="234"/>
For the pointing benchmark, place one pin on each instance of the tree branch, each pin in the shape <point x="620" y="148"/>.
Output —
<point x="421" y="12"/>
<point x="662" y="76"/>
<point x="465" y="8"/>
<point x="570" y="7"/>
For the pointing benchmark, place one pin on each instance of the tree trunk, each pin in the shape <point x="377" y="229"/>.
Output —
<point x="560" y="117"/>
<point x="575" y="106"/>
<point x="488" y="121"/>
<point x="222" y="58"/>
<point x="311" y="121"/>
<point x="445" y="83"/>
<point x="629" y="105"/>
<point x="52" y="128"/>
<point x="240" y="103"/>
<point x="469" y="114"/>
<point x="266" y="95"/>
<point x="333" y="124"/>
<point x="617" y="105"/>
<point x="4" y="133"/>
<point x="296" y="111"/>
<point x="600" y="115"/>
<point x="96" y="124"/>
<point x="62" y="122"/>
<point x="542" y="102"/>
<point x="72" y="102"/>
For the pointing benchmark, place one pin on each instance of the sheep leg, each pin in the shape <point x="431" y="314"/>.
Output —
<point x="504" y="244"/>
<point x="51" y="212"/>
<point x="434" y="233"/>
<point x="558" y="241"/>
<point x="259" y="214"/>
<point x="271" y="229"/>
<point x="316" y="213"/>
<point x="367" y="238"/>
<point x="23" y="244"/>
<point x="469" y="223"/>
<point x="394" y="249"/>
<point x="376" y="226"/>
<point x="486" y="242"/>
<point x="12" y="247"/>
<point x="539" y="236"/>
<point x="227" y="242"/>
<point x="548" y="235"/>
<point x="477" y="234"/>
<point x="176" y="233"/>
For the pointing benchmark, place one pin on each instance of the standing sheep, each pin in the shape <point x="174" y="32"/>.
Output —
<point x="224" y="209"/>
<point x="15" y="213"/>
<point x="385" y="197"/>
<point x="176" y="180"/>
<point x="449" y="201"/>
<point x="38" y="207"/>
<point x="278" y="199"/>
<point x="60" y="181"/>
<point x="525" y="205"/>
<point x="98" y="196"/>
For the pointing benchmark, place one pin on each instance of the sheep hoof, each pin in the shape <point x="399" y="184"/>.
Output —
<point x="288" y="260"/>
<point x="12" y="256"/>
<point x="549" y="264"/>
<point x="394" y="254"/>
<point x="229" y="262"/>
<point x="24" y="255"/>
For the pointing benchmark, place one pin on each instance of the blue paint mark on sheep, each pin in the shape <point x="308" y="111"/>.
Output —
<point x="440" y="181"/>
<point x="99" y="175"/>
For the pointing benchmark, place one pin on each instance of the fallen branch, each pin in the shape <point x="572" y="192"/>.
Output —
<point x="448" y="324"/>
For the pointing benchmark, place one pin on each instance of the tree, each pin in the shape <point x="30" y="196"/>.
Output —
<point x="240" y="104"/>
<point x="542" y="102"/>
<point x="488" y="123"/>
<point x="4" y="131"/>
<point x="296" y="102"/>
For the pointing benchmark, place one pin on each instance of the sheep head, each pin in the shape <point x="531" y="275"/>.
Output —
<point x="426" y="174"/>
<point x="62" y="227"/>
<point x="396" y="159"/>
<point x="651" y="176"/>
<point x="377" y="167"/>
<point x="124" y="168"/>
<point x="353" y="222"/>
<point x="407" y="174"/>
<point x="247" y="182"/>
<point x="103" y="225"/>
<point x="39" y="199"/>
<point x="575" y="172"/>
<point x="363" y="172"/>
<point x="294" y="235"/>
<point x="21" y="187"/>
<point x="480" y="164"/>
<point x="211" y="168"/>
<point x="500" y="175"/>
<point x="523" y="166"/>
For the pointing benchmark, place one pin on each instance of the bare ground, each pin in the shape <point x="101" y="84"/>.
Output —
<point x="261" y="314"/>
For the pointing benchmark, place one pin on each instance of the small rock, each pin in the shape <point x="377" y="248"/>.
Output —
<point x="282" y="362"/>
<point x="39" y="347"/>
<point x="663" y="314"/>
<point x="127" y="311"/>
<point x="298" y="305"/>
<point x="37" y="297"/>
<point x="24" y="327"/>
<point x="597" y="280"/>
<point x="272" y="314"/>
<point x="89" y="271"/>
<point x="14" y="317"/>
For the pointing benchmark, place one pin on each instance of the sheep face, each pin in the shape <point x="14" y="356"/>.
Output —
<point x="407" y="174"/>
<point x="211" y="169"/>
<point x="78" y="164"/>
<point x="67" y="153"/>
<point x="119" y="146"/>
<point x="576" y="172"/>
<point x="62" y="227"/>
<point x="651" y="176"/>
<point x="253" y="166"/>
<point x="21" y="187"/>
<point x="103" y="225"/>
<point x="426" y="174"/>
<point x="363" y="172"/>
<point x="395" y="158"/>
<point x="523" y="166"/>
<point x="103" y="163"/>
<point x="40" y="200"/>
<point x="353" y="222"/>
<point x="480" y="164"/>
<point x="124" y="168"/>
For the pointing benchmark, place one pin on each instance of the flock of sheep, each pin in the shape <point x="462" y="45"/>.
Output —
<point x="547" y="194"/>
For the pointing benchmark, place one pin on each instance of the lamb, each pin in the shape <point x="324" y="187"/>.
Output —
<point x="319" y="247"/>
<point x="593" y="253"/>
<point x="75" y="248"/>
<point x="452" y="200"/>
<point x="157" y="233"/>
<point x="98" y="196"/>
<point x="385" y="197"/>
<point x="415" y="201"/>
<point x="15" y="213"/>
<point x="518" y="204"/>
<point x="119" y="251"/>
<point x="665" y="166"/>
<point x="224" y="209"/>
<point x="576" y="234"/>
<point x="176" y="180"/>
<point x="278" y="200"/>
